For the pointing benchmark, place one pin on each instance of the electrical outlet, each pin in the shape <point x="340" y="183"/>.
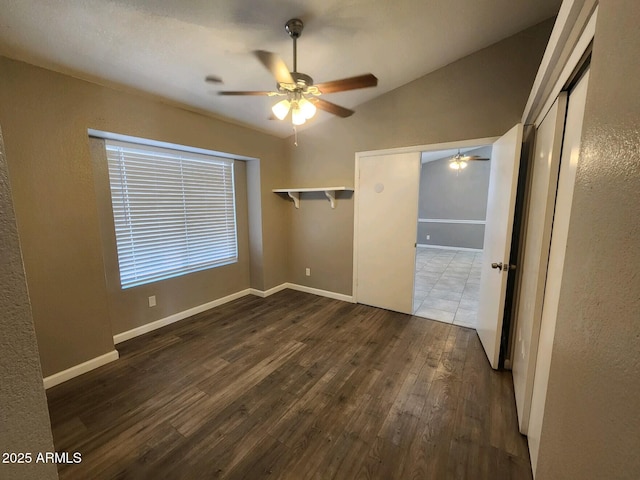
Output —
<point x="307" y="272"/>
<point x="152" y="301"/>
<point x="428" y="237"/>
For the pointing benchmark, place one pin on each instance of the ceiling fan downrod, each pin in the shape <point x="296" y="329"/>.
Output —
<point x="294" y="29"/>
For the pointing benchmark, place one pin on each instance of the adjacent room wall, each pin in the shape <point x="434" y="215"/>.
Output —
<point x="24" y="418"/>
<point x="45" y="117"/>
<point x="592" y="415"/>
<point x="482" y="95"/>
<point x="447" y="194"/>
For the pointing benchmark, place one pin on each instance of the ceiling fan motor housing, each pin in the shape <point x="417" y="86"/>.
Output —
<point x="302" y="80"/>
<point x="294" y="27"/>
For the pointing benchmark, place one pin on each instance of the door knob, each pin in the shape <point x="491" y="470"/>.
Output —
<point x="503" y="267"/>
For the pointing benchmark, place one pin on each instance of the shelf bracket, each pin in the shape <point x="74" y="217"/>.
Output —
<point x="329" y="192"/>
<point x="295" y="196"/>
<point x="331" y="195"/>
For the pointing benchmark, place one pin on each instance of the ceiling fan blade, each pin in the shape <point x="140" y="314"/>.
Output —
<point x="213" y="79"/>
<point x="246" y="93"/>
<point x="275" y="65"/>
<point x="473" y="158"/>
<point x="352" y="83"/>
<point x="332" y="107"/>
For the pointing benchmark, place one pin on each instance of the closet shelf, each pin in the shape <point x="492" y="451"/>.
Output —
<point x="330" y="193"/>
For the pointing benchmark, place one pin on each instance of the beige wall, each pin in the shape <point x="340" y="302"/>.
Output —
<point x="482" y="95"/>
<point x="24" y="419"/>
<point x="591" y="426"/>
<point x="45" y="117"/>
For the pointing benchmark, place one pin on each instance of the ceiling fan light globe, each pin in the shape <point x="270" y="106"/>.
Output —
<point x="297" y="117"/>
<point x="454" y="166"/>
<point x="463" y="164"/>
<point x="281" y="109"/>
<point x="308" y="109"/>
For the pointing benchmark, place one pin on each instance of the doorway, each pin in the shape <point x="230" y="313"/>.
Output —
<point x="450" y="234"/>
<point x="382" y="197"/>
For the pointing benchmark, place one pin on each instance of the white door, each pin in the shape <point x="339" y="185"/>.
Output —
<point x="503" y="182"/>
<point x="566" y="181"/>
<point x="533" y="262"/>
<point x="386" y="228"/>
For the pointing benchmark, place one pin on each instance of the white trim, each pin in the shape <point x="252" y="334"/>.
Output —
<point x="445" y="247"/>
<point x="321" y="293"/>
<point x="478" y="142"/>
<point x="149" y="327"/>
<point x="569" y="32"/>
<point x="450" y="220"/>
<point x="156" y="143"/>
<point x="77" y="370"/>
<point x="356" y="218"/>
<point x="267" y="293"/>
<point x="581" y="47"/>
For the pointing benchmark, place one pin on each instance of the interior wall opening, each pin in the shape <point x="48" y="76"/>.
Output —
<point x="452" y="208"/>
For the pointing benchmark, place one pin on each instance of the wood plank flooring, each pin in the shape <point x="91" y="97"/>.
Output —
<point x="297" y="387"/>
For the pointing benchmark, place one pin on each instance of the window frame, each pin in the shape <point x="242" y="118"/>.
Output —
<point x="186" y="153"/>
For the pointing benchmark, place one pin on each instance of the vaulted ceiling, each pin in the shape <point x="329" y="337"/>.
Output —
<point x="167" y="47"/>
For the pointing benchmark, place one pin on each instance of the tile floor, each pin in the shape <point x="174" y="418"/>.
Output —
<point x="447" y="285"/>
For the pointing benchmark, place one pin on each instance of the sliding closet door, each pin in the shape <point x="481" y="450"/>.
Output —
<point x="533" y="265"/>
<point x="566" y="181"/>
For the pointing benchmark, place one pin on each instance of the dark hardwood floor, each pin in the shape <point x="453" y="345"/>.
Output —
<point x="293" y="386"/>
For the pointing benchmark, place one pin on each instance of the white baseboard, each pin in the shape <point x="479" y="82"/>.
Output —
<point x="321" y="293"/>
<point x="176" y="317"/>
<point x="266" y="293"/>
<point x="444" y="247"/>
<point x="69" y="373"/>
<point x="303" y="288"/>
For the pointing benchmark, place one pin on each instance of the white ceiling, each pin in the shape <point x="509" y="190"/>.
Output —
<point x="167" y="47"/>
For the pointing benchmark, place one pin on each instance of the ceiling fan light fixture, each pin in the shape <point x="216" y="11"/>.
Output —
<point x="297" y="115"/>
<point x="457" y="164"/>
<point x="281" y="109"/>
<point x="308" y="109"/>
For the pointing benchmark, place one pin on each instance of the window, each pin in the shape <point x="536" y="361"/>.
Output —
<point x="174" y="211"/>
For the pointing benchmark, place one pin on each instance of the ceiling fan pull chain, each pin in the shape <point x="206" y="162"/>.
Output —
<point x="295" y="136"/>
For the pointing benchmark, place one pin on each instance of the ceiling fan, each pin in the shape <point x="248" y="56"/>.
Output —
<point x="301" y="95"/>
<point x="459" y="161"/>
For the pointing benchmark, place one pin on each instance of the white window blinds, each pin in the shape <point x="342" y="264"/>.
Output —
<point x="174" y="211"/>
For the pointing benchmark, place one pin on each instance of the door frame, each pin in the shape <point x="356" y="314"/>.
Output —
<point x="361" y="156"/>
<point x="562" y="64"/>
<point x="572" y="34"/>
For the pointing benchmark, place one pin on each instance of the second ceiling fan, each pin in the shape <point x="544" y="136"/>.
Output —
<point x="459" y="161"/>
<point x="301" y="95"/>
